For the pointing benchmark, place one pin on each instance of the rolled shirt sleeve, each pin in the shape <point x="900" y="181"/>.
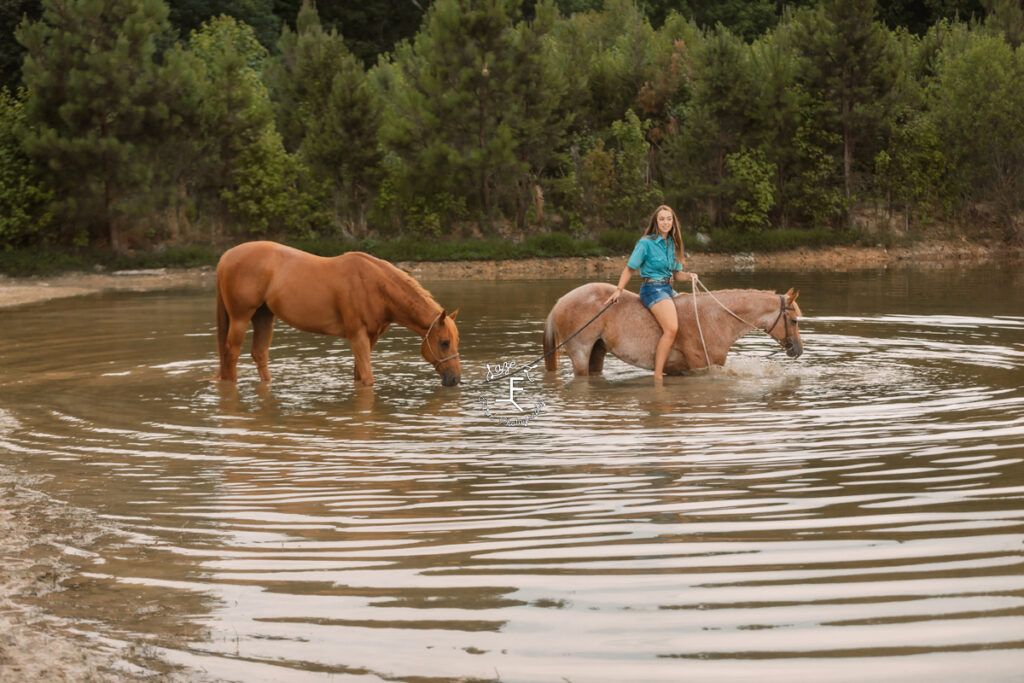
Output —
<point x="639" y="255"/>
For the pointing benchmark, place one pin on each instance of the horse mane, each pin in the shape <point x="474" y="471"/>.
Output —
<point x="405" y="277"/>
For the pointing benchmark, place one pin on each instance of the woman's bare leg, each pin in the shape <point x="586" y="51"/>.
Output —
<point x="665" y="313"/>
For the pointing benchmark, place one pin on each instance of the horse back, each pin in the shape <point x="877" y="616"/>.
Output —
<point x="308" y="292"/>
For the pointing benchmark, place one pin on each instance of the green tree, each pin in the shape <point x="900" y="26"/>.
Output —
<point x="370" y="28"/>
<point x="1006" y="18"/>
<point x="752" y="178"/>
<point x="977" y="105"/>
<point x="712" y="125"/>
<point x="465" y="109"/>
<point x="777" y="113"/>
<point x="24" y="195"/>
<point x="12" y="53"/>
<point x="187" y="16"/>
<point x="329" y="113"/>
<point x="97" y="112"/>
<point x="635" y="192"/>
<point x="851" y="60"/>
<point x="606" y="57"/>
<point x="243" y="157"/>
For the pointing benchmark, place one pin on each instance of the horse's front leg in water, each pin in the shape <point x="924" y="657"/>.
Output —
<point x="360" y="342"/>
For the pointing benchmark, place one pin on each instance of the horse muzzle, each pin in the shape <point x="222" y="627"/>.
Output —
<point x="795" y="349"/>
<point x="450" y="379"/>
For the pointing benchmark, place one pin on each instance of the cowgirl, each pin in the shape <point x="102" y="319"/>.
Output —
<point x="658" y="255"/>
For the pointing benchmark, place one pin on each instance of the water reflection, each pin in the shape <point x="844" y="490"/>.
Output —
<point x="854" y="514"/>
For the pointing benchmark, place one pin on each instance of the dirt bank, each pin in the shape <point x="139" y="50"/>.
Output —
<point x="20" y="291"/>
<point x="42" y="541"/>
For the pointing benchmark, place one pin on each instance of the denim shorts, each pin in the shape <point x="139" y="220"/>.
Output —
<point x="653" y="292"/>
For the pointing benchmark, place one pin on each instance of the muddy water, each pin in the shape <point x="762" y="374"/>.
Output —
<point x="857" y="514"/>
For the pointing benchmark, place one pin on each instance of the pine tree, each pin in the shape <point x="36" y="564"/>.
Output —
<point x="97" y="110"/>
<point x="850" y="59"/>
<point x="455" y="114"/>
<point x="328" y="112"/>
<point x="244" y="160"/>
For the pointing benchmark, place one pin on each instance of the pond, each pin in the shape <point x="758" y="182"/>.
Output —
<point x="857" y="513"/>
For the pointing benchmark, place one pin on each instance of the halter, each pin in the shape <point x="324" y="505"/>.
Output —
<point x="426" y="338"/>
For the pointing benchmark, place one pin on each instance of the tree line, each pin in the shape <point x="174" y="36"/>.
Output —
<point x="498" y="117"/>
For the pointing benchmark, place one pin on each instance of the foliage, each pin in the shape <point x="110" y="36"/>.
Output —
<point x="731" y="241"/>
<point x="468" y="110"/>
<point x="852" y="61"/>
<point x="752" y="177"/>
<point x="188" y="16"/>
<point x="328" y="113"/>
<point x="245" y="160"/>
<point x="977" y="107"/>
<point x="97" y="111"/>
<point x="24" y="198"/>
<point x="12" y="13"/>
<point x="524" y="117"/>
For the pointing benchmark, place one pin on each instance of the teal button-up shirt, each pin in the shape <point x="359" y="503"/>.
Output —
<point x="655" y="258"/>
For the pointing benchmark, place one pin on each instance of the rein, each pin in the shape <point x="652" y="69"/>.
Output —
<point x="766" y="330"/>
<point x="426" y="338"/>
<point x="564" y="342"/>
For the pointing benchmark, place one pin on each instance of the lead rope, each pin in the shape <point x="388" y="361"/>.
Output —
<point x="696" y="316"/>
<point x="564" y="342"/>
<point x="782" y="314"/>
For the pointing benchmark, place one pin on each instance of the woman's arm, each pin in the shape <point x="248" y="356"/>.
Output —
<point x="683" y="276"/>
<point x="627" y="273"/>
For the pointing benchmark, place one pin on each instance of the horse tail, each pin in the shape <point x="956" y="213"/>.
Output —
<point x="222" y="331"/>
<point x="550" y="342"/>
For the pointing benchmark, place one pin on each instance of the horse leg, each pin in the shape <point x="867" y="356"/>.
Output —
<point x="579" y="355"/>
<point x="597" y="354"/>
<point x="361" y="345"/>
<point x="232" y="347"/>
<point x="262" y="332"/>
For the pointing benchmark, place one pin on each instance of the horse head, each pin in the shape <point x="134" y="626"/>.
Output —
<point x="440" y="348"/>
<point x="785" y="329"/>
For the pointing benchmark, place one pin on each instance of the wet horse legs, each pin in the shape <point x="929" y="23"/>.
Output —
<point x="361" y="344"/>
<point x="262" y="332"/>
<point x="232" y="347"/>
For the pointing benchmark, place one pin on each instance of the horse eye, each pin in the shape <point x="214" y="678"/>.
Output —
<point x="445" y="343"/>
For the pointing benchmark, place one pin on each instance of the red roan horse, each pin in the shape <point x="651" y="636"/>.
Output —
<point x="354" y="295"/>
<point x="629" y="332"/>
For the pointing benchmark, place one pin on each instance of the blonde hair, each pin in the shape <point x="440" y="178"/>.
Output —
<point x="675" y="234"/>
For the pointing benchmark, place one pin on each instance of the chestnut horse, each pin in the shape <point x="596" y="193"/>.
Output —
<point x="354" y="295"/>
<point x="630" y="332"/>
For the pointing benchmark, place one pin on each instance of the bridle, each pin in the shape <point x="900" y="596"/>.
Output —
<point x="782" y="314"/>
<point x="426" y="339"/>
<point x="768" y="330"/>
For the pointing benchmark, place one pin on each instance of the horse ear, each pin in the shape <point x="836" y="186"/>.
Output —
<point x="453" y="314"/>
<point x="792" y="294"/>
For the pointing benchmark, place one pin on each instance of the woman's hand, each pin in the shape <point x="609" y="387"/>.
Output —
<point x="683" y="276"/>
<point x="613" y="297"/>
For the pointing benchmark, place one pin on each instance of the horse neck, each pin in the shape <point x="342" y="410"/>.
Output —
<point x="411" y="306"/>
<point x="750" y="305"/>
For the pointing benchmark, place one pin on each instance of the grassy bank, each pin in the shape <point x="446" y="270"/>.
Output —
<point x="51" y="261"/>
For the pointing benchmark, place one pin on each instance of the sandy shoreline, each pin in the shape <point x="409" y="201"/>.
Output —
<point x="22" y="291"/>
<point x="42" y="540"/>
